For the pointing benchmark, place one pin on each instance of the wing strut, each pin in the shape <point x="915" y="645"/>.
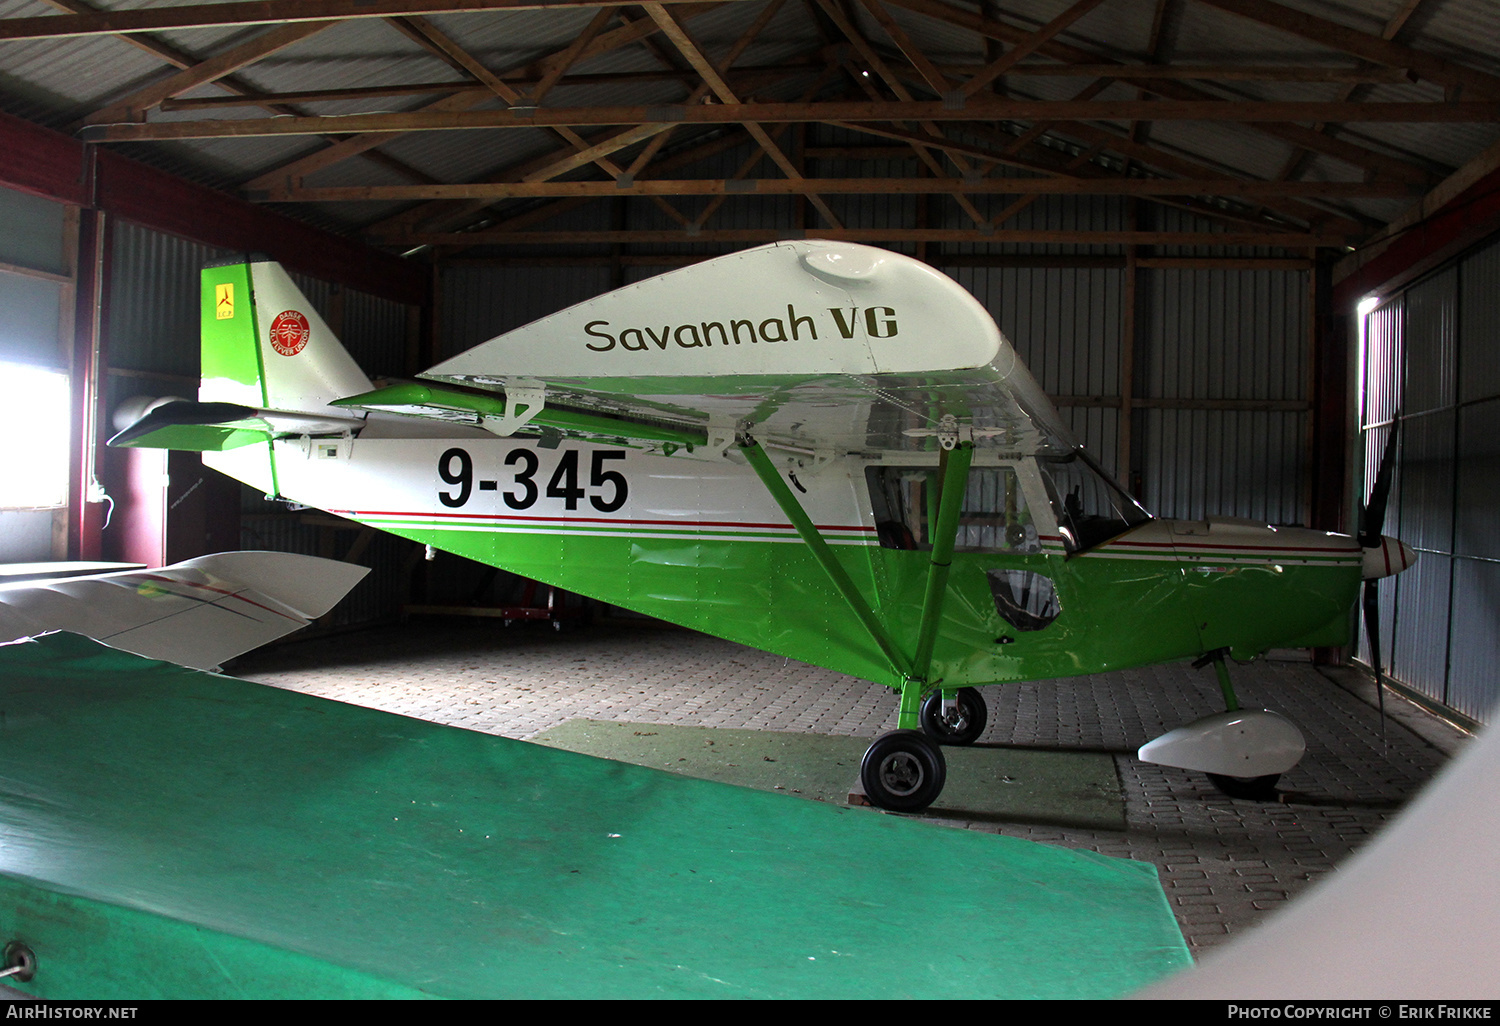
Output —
<point x="771" y="478"/>
<point x="955" y="481"/>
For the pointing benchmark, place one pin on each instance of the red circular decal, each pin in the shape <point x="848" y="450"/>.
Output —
<point x="289" y="333"/>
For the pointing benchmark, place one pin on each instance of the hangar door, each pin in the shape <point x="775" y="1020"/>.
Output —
<point x="1429" y="366"/>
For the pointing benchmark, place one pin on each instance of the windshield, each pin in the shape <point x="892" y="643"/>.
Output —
<point x="1091" y="509"/>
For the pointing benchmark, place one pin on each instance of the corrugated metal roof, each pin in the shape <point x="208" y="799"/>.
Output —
<point x="57" y="81"/>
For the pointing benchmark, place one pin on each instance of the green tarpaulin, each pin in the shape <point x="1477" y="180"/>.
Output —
<point x="170" y="833"/>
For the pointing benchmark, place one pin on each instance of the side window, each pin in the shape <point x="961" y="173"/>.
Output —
<point x="995" y="517"/>
<point x="1025" y="600"/>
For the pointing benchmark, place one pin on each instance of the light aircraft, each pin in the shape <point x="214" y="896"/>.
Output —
<point x="824" y="450"/>
<point x="200" y="613"/>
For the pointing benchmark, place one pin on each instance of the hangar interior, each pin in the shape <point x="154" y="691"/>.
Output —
<point x="1236" y="241"/>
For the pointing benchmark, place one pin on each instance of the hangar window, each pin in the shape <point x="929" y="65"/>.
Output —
<point x="34" y="420"/>
<point x="995" y="517"/>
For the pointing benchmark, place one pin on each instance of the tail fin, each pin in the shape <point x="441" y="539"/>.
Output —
<point x="271" y="366"/>
<point x="266" y="347"/>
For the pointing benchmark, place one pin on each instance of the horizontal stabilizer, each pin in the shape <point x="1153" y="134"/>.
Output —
<point x="215" y="427"/>
<point x="198" y="613"/>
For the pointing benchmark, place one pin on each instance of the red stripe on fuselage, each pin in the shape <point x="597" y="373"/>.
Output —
<point x="585" y="520"/>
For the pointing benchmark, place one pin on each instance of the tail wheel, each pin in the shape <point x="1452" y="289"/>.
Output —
<point x="903" y="771"/>
<point x="962" y="725"/>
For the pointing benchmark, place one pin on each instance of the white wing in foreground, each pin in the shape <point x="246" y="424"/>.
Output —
<point x="198" y="613"/>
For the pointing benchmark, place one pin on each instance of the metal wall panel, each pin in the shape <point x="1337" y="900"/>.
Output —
<point x="1214" y="335"/>
<point x="1064" y="322"/>
<point x="153" y="300"/>
<point x="1244" y="463"/>
<point x="375" y="333"/>
<point x="1384" y="358"/>
<point x="480" y="302"/>
<point x="1429" y="363"/>
<point x="1431" y="353"/>
<point x="1417" y="603"/>
<point x="1423" y="507"/>
<point x="1475" y="641"/>
<point x="1476" y="527"/>
<point x="1224" y="334"/>
<point x="1479" y="325"/>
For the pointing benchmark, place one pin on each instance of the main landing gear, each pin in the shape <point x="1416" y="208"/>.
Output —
<point x="904" y="771"/>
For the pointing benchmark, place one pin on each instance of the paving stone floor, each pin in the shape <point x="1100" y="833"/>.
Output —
<point x="1223" y="862"/>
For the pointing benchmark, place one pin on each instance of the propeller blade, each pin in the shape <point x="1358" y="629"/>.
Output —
<point x="1372" y="633"/>
<point x="1372" y="520"/>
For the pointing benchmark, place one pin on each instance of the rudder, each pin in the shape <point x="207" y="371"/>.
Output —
<point x="265" y="346"/>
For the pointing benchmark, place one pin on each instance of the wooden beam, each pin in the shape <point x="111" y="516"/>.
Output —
<point x="1086" y="261"/>
<point x="1030" y="46"/>
<point x="341" y="151"/>
<point x="1464" y="209"/>
<point x="756" y="236"/>
<point x="135" y="106"/>
<point x="989" y="108"/>
<point x="1217" y="72"/>
<point x="930" y="130"/>
<point x="537" y="170"/>
<point x="1368" y="47"/>
<point x="690" y="50"/>
<point x="260" y="12"/>
<point x="741" y="78"/>
<point x="52" y="165"/>
<point x="536" y="187"/>
<point x="1297" y="135"/>
<point x="935" y="78"/>
<point x="569" y="57"/>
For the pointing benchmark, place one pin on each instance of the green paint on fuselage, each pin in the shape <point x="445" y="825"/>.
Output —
<point x="1116" y="612"/>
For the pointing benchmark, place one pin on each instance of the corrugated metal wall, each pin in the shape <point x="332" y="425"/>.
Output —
<point x="1223" y="359"/>
<point x="1429" y="363"/>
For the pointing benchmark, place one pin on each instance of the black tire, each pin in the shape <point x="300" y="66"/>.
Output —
<point x="965" y="729"/>
<point x="1254" y="789"/>
<point x="903" y="771"/>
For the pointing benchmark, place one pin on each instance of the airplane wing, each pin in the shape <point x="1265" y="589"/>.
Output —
<point x="198" y="613"/>
<point x="819" y="345"/>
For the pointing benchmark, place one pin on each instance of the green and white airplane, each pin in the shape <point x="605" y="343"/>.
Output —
<point x="823" y="450"/>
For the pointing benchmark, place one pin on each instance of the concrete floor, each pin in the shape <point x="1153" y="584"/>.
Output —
<point x="1224" y="863"/>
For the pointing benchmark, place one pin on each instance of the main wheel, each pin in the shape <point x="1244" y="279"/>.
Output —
<point x="1255" y="789"/>
<point x="962" y="726"/>
<point x="903" y="771"/>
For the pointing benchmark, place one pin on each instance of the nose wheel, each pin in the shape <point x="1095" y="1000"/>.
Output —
<point x="903" y="771"/>
<point x="1254" y="789"/>
<point x="959" y="724"/>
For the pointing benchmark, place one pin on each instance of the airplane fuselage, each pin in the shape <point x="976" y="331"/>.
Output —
<point x="700" y="542"/>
